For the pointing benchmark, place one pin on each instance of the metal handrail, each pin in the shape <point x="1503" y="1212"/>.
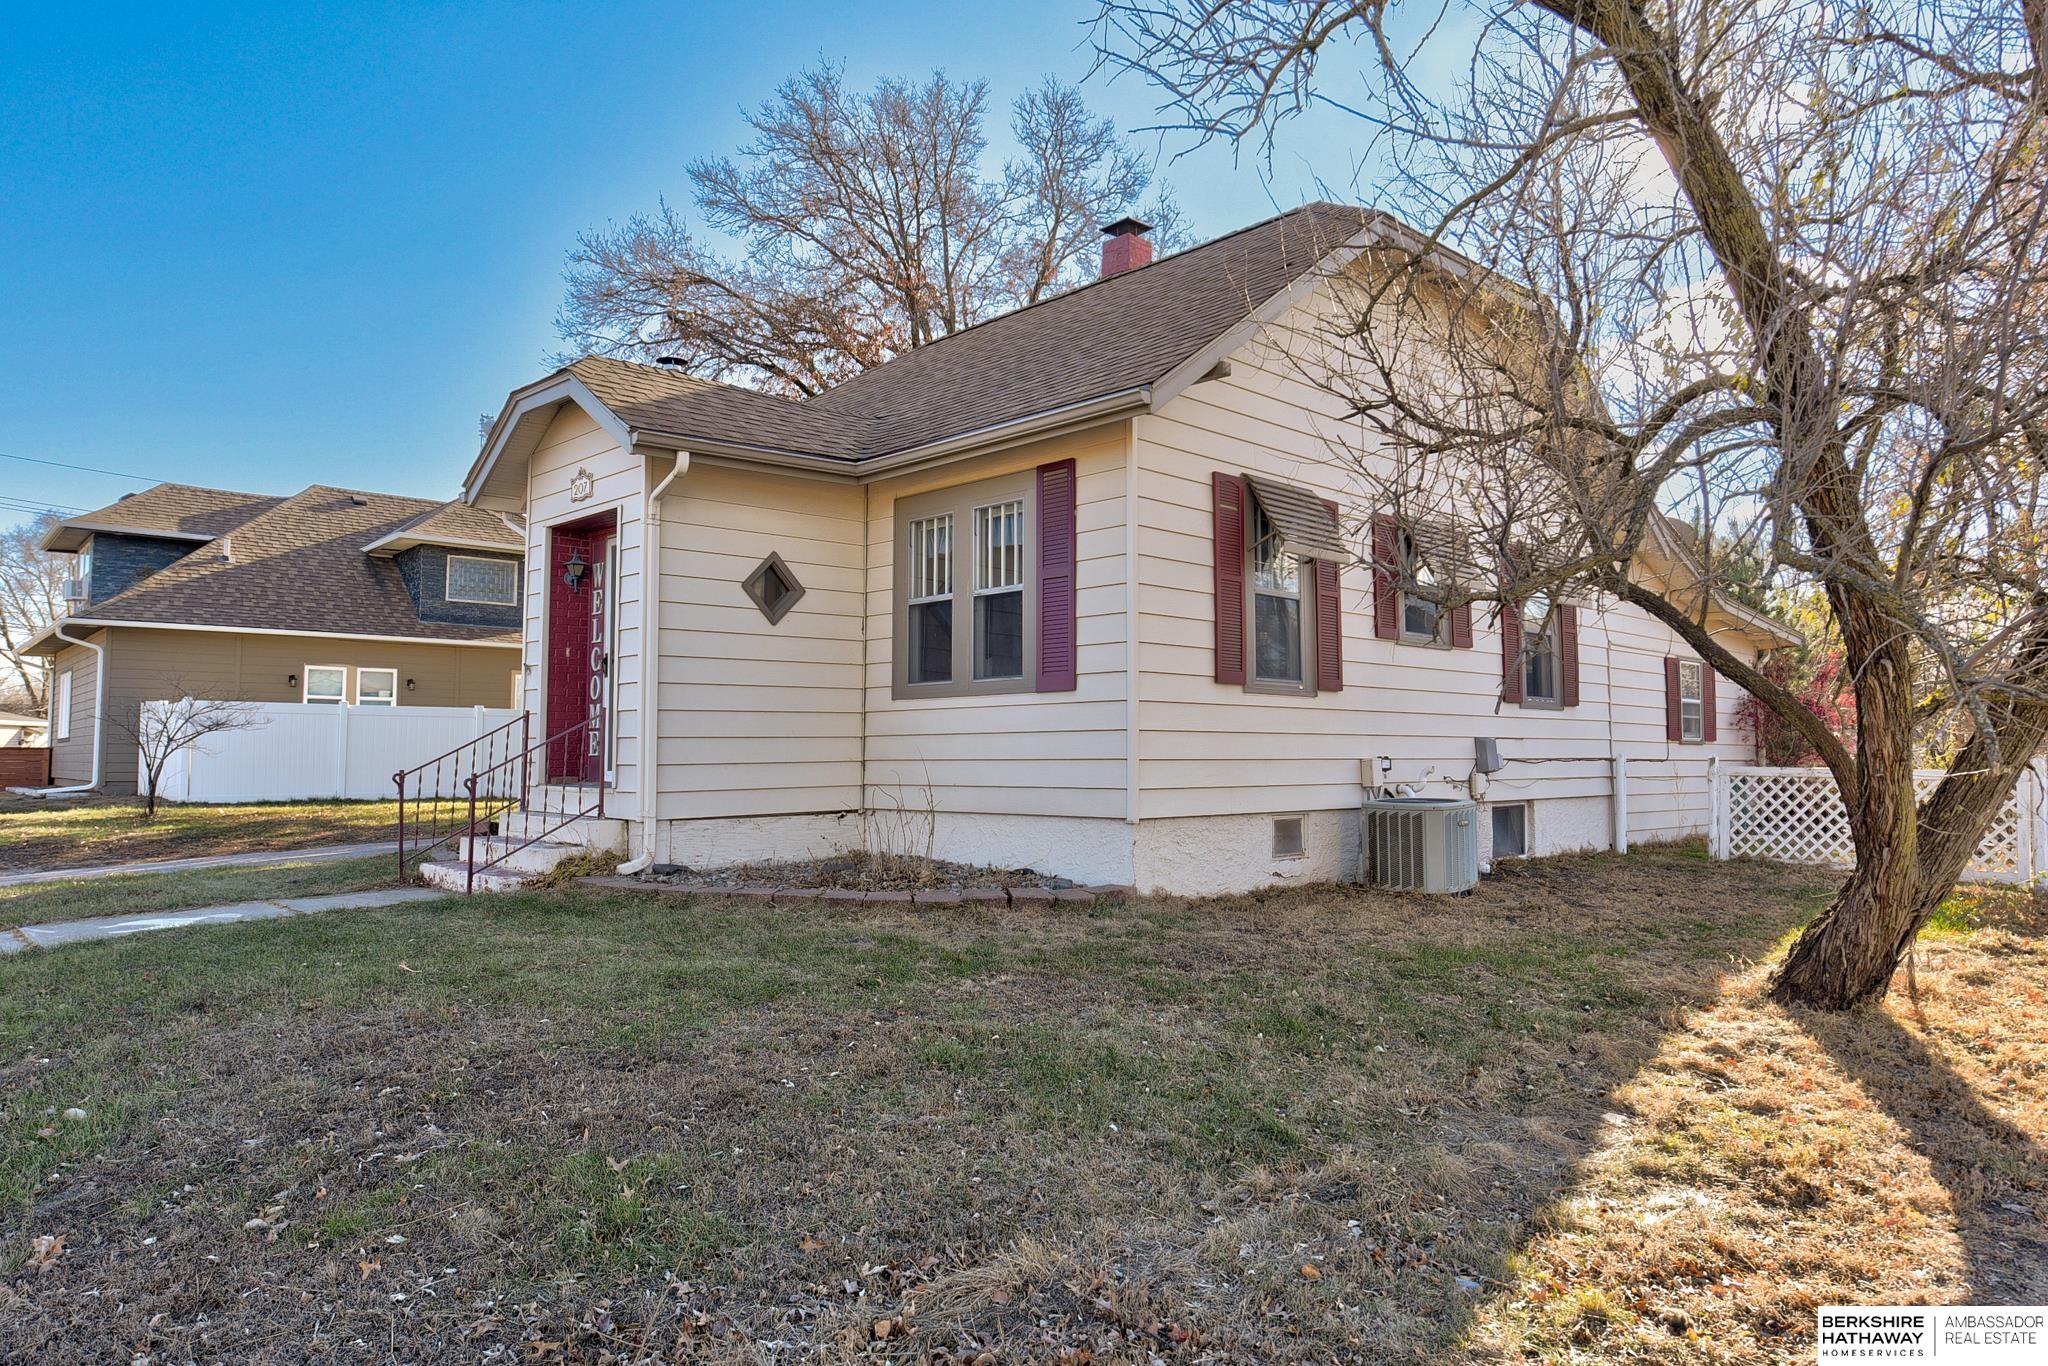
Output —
<point x="431" y="788"/>
<point x="563" y="816"/>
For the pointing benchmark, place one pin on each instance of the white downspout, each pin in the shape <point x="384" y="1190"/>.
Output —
<point x="650" y="663"/>
<point x="1620" y="762"/>
<point x="99" y="713"/>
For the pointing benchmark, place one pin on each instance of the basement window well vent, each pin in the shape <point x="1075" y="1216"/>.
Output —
<point x="773" y="588"/>
<point x="1288" y="841"/>
<point x="1511" y="830"/>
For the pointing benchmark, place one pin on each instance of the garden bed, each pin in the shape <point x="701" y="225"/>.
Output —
<point x="866" y="878"/>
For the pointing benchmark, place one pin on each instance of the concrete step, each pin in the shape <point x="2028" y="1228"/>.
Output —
<point x="453" y="877"/>
<point x="595" y="833"/>
<point x="510" y="854"/>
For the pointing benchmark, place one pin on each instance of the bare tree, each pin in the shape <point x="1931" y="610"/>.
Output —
<point x="161" y="731"/>
<point x="868" y="226"/>
<point x="1777" y="270"/>
<point x="31" y="597"/>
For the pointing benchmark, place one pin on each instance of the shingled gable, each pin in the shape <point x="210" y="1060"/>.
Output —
<point x="1108" y="341"/>
<point x="183" y="512"/>
<point x="301" y="565"/>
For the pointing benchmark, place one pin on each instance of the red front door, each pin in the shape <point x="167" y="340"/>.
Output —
<point x="579" y="642"/>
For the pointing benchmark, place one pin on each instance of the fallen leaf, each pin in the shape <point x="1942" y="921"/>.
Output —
<point x="810" y="1244"/>
<point x="1310" y="1273"/>
<point x="403" y="968"/>
<point x="366" y="1267"/>
<point x="44" y="1251"/>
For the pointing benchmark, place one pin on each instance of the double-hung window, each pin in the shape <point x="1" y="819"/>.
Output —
<point x="1423" y="618"/>
<point x="376" y="687"/>
<point x="1276" y="575"/>
<point x="999" y="590"/>
<point x="1692" y="696"/>
<point x="964" y="590"/>
<point x="1539" y="653"/>
<point x="326" y="683"/>
<point x="930" y="647"/>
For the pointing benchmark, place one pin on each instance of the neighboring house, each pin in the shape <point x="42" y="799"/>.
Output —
<point x="1059" y="590"/>
<point x="328" y="596"/>
<point x="17" y="730"/>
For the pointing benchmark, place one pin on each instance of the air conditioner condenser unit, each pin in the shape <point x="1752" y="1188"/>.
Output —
<point x="1419" y="844"/>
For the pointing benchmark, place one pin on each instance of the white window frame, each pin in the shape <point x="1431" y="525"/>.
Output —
<point x="1413" y="564"/>
<point x="987" y="570"/>
<point x="1692" y="702"/>
<point x="60" y="709"/>
<point x="391" y="674"/>
<point x="969" y="569"/>
<point x="1545" y="637"/>
<point x="306" y="685"/>
<point x="1303" y="596"/>
<point x="448" y="581"/>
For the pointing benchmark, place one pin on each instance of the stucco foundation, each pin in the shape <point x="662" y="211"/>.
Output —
<point x="725" y="841"/>
<point x="1207" y="855"/>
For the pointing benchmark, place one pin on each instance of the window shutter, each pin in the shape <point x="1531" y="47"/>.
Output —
<point x="1707" y="727"/>
<point x="1386" y="568"/>
<point x="1056" y="663"/>
<point x="1329" y="620"/>
<point x="1673" y="728"/>
<point x="1510" y="652"/>
<point x="1567" y="656"/>
<point x="1228" y="490"/>
<point x="1461" y="626"/>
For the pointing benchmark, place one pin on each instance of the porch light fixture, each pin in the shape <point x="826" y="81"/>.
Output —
<point x="291" y="680"/>
<point x="408" y="685"/>
<point x="573" y="573"/>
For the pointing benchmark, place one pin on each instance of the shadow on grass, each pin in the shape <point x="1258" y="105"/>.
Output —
<point x="1995" y="1173"/>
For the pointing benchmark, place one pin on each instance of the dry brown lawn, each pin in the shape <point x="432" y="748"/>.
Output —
<point x="80" y="832"/>
<point x="1554" y="1120"/>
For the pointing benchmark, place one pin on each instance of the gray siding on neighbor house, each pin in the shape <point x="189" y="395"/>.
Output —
<point x="425" y="571"/>
<point x="120" y="562"/>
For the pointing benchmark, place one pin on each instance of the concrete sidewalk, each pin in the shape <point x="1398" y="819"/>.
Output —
<point x="119" y="926"/>
<point x="269" y="858"/>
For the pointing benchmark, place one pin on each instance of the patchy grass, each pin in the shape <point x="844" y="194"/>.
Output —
<point x="84" y="832"/>
<point x="38" y="903"/>
<point x="1551" y="1119"/>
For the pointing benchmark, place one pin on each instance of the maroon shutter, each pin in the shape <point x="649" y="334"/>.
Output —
<point x="1228" y="490"/>
<point x="1673" y="729"/>
<point x="1707" y="727"/>
<point x="1386" y="568"/>
<point x="1567" y="656"/>
<point x="1510" y="652"/>
<point x="1329" y="618"/>
<point x="1461" y="626"/>
<point x="1056" y="667"/>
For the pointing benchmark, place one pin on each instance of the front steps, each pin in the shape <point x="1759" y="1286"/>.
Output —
<point x="514" y="861"/>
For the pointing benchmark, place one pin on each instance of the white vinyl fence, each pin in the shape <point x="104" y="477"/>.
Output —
<point x="1794" y="815"/>
<point x="301" y="751"/>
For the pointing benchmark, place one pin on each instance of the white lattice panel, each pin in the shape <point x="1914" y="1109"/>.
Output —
<point x="1795" y="816"/>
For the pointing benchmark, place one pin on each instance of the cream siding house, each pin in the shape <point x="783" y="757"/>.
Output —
<point x="968" y="604"/>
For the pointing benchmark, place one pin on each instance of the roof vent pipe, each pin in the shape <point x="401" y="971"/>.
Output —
<point x="1124" y="246"/>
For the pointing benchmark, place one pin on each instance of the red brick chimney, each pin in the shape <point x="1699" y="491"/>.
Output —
<point x="1124" y="246"/>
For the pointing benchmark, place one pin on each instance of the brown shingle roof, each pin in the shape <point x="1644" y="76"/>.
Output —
<point x="297" y="566"/>
<point x="167" y="509"/>
<point x="1105" y="338"/>
<point x="458" y="523"/>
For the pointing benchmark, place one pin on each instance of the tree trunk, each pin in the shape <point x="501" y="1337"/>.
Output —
<point x="1848" y="954"/>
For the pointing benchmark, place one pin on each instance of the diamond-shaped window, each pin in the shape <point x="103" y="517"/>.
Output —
<point x="773" y="588"/>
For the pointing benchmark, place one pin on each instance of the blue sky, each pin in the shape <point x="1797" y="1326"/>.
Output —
<point x="270" y="247"/>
